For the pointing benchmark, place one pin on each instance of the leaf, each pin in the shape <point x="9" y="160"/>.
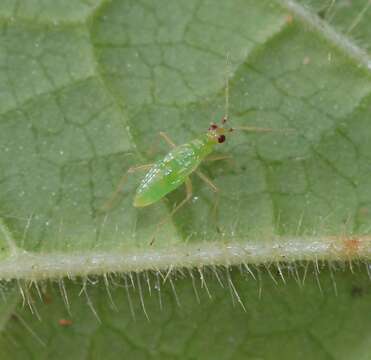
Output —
<point x="84" y="101"/>
<point x="85" y="89"/>
<point x="285" y="320"/>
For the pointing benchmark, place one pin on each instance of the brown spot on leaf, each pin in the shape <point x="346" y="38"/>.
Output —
<point x="65" y="322"/>
<point x="289" y="19"/>
<point x="351" y="246"/>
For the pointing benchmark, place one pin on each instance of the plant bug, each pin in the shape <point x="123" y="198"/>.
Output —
<point x="167" y="174"/>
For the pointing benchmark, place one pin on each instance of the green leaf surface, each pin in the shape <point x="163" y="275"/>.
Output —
<point x="86" y="95"/>
<point x="285" y="321"/>
<point x="86" y="86"/>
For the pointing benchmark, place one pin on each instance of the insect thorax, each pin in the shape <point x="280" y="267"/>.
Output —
<point x="202" y="146"/>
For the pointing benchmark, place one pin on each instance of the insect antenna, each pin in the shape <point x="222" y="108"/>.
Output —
<point x="226" y="106"/>
<point x="226" y="88"/>
<point x="259" y="129"/>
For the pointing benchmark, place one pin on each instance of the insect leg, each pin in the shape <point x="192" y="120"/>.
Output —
<point x="217" y="157"/>
<point x="213" y="188"/>
<point x="167" y="139"/>
<point x="207" y="181"/>
<point x="108" y="204"/>
<point x="133" y="169"/>
<point x="188" y="186"/>
<point x="228" y="158"/>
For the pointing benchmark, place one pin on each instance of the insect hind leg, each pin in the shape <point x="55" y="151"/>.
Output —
<point x="109" y="203"/>
<point x="188" y="186"/>
<point x="167" y="139"/>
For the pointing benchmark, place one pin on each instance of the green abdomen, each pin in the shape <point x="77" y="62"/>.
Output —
<point x="169" y="173"/>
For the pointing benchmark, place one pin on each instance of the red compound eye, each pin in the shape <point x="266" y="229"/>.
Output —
<point x="213" y="127"/>
<point x="221" y="139"/>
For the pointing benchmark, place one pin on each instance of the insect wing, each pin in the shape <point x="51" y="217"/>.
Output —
<point x="166" y="175"/>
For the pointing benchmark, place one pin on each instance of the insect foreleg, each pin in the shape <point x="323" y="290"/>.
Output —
<point x="188" y="186"/>
<point x="218" y="157"/>
<point x="108" y="204"/>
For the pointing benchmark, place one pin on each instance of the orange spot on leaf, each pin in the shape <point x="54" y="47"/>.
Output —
<point x="65" y="322"/>
<point x="351" y="246"/>
<point x="289" y="19"/>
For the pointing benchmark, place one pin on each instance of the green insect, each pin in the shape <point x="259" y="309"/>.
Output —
<point x="167" y="174"/>
<point x="175" y="168"/>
